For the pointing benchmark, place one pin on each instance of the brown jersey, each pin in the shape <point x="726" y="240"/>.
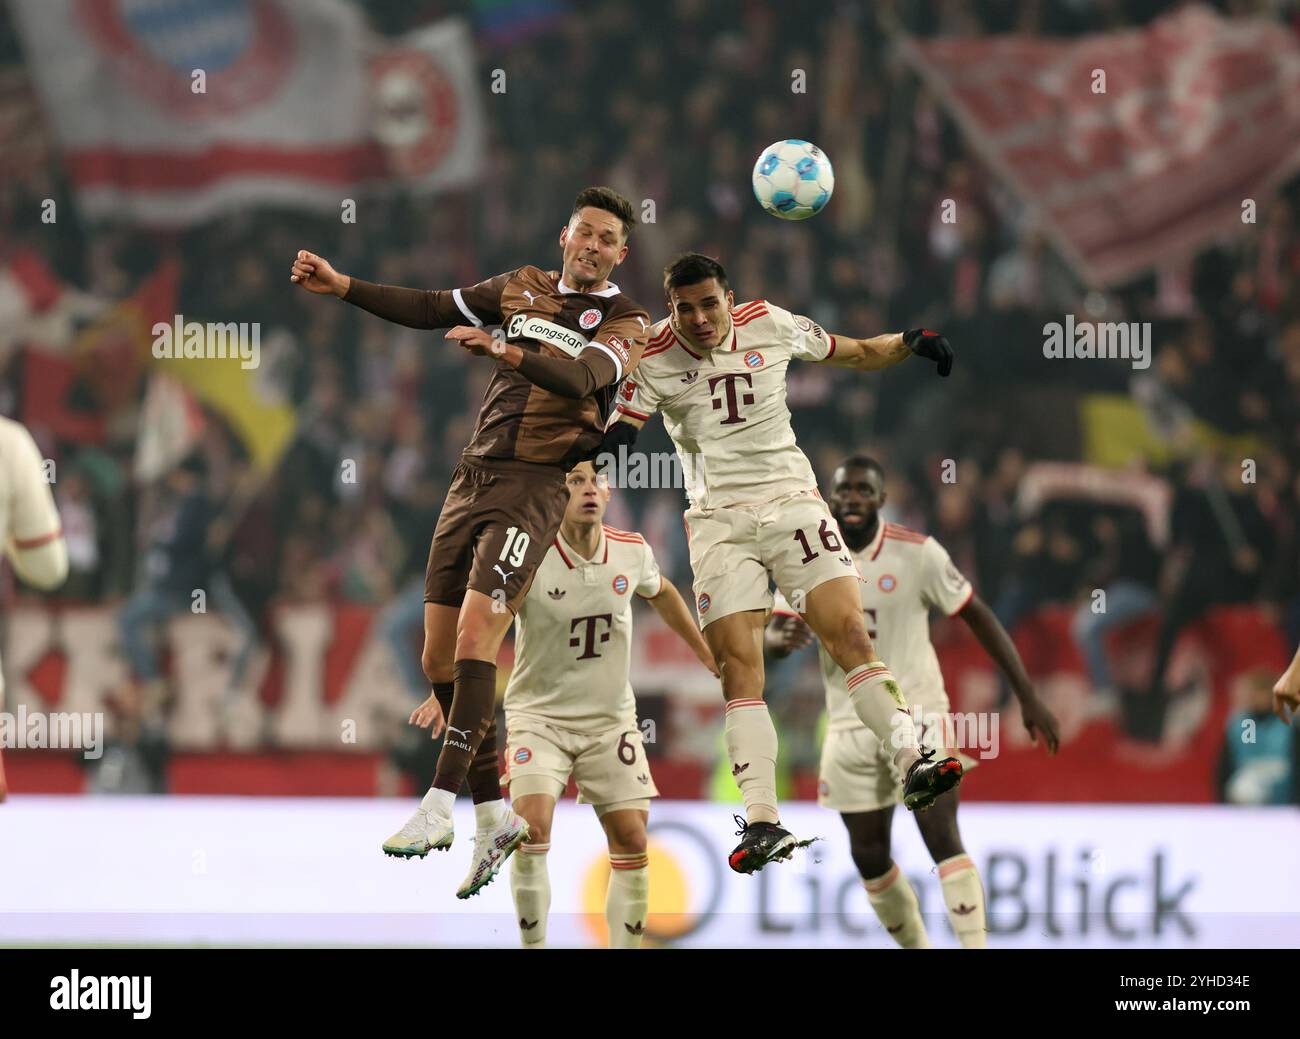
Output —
<point x="519" y="420"/>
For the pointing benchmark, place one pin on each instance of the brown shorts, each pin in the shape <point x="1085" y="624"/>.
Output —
<point x="497" y="523"/>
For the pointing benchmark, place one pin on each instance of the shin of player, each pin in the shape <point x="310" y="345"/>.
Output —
<point x="627" y="894"/>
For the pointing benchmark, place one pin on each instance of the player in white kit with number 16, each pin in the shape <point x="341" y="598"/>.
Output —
<point x="717" y="373"/>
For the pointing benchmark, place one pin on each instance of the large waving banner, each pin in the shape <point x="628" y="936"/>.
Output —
<point x="172" y="112"/>
<point x="1132" y="147"/>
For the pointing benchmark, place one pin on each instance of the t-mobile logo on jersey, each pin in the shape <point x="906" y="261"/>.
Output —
<point x="733" y="399"/>
<point x="588" y="638"/>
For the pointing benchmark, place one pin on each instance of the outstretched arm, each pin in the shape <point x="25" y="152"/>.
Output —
<point x="997" y="643"/>
<point x="885" y="351"/>
<point x="670" y="605"/>
<point x="414" y="308"/>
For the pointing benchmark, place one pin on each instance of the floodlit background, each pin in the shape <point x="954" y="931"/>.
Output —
<point x="165" y="158"/>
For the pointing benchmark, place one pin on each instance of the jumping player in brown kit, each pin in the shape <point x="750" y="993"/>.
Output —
<point x="567" y="339"/>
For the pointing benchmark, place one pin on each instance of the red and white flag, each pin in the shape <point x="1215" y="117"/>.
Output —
<point x="1133" y="147"/>
<point x="171" y="426"/>
<point x="171" y="112"/>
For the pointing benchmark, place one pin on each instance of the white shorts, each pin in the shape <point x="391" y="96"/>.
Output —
<point x="857" y="775"/>
<point x="736" y="553"/>
<point x="610" y="767"/>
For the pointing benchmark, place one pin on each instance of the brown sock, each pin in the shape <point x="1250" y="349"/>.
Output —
<point x="473" y="712"/>
<point x="484" y="771"/>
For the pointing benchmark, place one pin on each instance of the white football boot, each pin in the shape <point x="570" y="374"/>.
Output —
<point x="424" y="832"/>
<point x="492" y="846"/>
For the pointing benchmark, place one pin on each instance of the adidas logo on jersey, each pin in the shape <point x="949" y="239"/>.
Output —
<point x="846" y="559"/>
<point x="963" y="909"/>
<point x="643" y="780"/>
<point x="638" y="929"/>
<point x="690" y="377"/>
<point x="556" y="593"/>
<point x="527" y="925"/>
<point x="738" y="769"/>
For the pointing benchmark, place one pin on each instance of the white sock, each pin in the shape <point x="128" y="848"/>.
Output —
<point x="897" y="908"/>
<point x="531" y="886"/>
<point x="751" y="749"/>
<point x="963" y="894"/>
<point x="626" y="899"/>
<point x="880" y="705"/>
<point x="438" y="802"/>
<point x="490" y="814"/>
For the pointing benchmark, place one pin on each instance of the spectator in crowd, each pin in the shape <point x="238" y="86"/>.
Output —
<point x="1259" y="763"/>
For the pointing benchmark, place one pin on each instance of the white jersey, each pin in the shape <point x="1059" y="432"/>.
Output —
<point x="30" y="533"/>
<point x="573" y="635"/>
<point x="725" y="409"/>
<point x="904" y="575"/>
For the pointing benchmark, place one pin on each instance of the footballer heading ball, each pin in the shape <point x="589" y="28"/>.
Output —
<point x="793" y="179"/>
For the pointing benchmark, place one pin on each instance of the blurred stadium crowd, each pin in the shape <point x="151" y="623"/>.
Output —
<point x="680" y="130"/>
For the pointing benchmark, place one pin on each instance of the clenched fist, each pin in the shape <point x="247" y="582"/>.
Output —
<point x="315" y="274"/>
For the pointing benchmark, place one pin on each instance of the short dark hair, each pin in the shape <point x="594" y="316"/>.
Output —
<point x="610" y="201"/>
<point x="691" y="269"/>
<point x="862" y="462"/>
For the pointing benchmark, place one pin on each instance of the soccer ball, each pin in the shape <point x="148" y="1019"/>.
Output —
<point x="793" y="179"/>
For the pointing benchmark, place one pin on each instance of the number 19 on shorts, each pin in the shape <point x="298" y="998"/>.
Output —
<point x="516" y="546"/>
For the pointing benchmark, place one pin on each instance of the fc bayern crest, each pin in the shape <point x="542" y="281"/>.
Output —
<point x="703" y="603"/>
<point x="523" y="755"/>
<point x="589" y="319"/>
<point x="244" y="48"/>
<point x="887" y="583"/>
<point x="753" y="359"/>
<point x="620" y="584"/>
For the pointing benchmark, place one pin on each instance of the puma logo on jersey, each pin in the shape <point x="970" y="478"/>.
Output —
<point x="738" y="768"/>
<point x="504" y="575"/>
<point x="638" y="929"/>
<point x="528" y="925"/>
<point x="464" y="733"/>
<point x="642" y="320"/>
<point x="529" y="295"/>
<point x="690" y="377"/>
<point x="963" y="909"/>
<point x="556" y="593"/>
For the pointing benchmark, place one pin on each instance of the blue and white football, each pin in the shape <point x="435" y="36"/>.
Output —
<point x="793" y="179"/>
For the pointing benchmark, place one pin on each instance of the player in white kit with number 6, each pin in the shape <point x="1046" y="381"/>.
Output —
<point x="570" y="709"/>
<point x="717" y="373"/>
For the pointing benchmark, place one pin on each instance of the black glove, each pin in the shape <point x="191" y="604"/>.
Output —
<point x="931" y="345"/>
